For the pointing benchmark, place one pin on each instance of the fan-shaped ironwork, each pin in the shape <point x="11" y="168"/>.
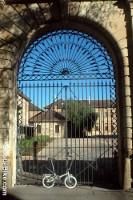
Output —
<point x="66" y="54"/>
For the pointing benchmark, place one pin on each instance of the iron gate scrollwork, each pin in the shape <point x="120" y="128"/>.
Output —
<point x="67" y="104"/>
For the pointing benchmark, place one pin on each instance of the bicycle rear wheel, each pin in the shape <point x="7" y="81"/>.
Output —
<point x="48" y="181"/>
<point x="70" y="182"/>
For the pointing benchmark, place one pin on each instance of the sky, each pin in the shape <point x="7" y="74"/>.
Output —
<point x="66" y="61"/>
<point x="44" y="93"/>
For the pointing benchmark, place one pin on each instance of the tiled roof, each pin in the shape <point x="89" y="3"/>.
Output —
<point x="94" y="103"/>
<point x="33" y="107"/>
<point x="49" y="115"/>
<point x="59" y="103"/>
<point x="98" y="103"/>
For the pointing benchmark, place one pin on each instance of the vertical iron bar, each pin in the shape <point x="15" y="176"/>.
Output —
<point x="66" y="133"/>
<point x="90" y="146"/>
<point x="31" y="135"/>
<point x="45" y="131"/>
<point x="106" y="117"/>
<point x="33" y="97"/>
<point x="75" y="129"/>
<point x="23" y="150"/>
<point x="20" y="125"/>
<point x="70" y="115"/>
<point x="42" y="99"/>
<point x="78" y="118"/>
<point x="25" y="121"/>
<point x="99" y="144"/>
<point x="53" y="110"/>
<point x="63" y="125"/>
<point x="95" y="134"/>
<point x="94" y="139"/>
<point x="58" y="110"/>
<point x="83" y="131"/>
<point x="38" y="122"/>
<point x="111" y="99"/>
<point x="104" y="137"/>
<point x="48" y="121"/>
<point x="87" y="138"/>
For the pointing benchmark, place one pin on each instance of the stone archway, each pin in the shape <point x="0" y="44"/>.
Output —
<point x="18" y="32"/>
<point x="71" y="64"/>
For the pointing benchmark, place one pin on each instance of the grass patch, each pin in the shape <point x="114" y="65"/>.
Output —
<point x="26" y="145"/>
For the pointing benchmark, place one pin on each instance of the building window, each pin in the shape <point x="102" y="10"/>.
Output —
<point x="57" y="128"/>
<point x="38" y="128"/>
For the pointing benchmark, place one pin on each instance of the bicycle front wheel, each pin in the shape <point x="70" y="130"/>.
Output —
<point x="48" y="181"/>
<point x="70" y="182"/>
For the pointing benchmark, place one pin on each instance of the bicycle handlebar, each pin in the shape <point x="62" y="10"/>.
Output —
<point x="51" y="159"/>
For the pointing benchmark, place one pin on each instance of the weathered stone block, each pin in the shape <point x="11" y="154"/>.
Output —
<point x="127" y="112"/>
<point x="123" y="43"/>
<point x="6" y="73"/>
<point x="128" y="133"/>
<point x="128" y="143"/>
<point x="4" y="112"/>
<point x="84" y="8"/>
<point x="73" y="8"/>
<point x="127" y="90"/>
<point x="4" y="102"/>
<point x="4" y="124"/>
<point x="4" y="118"/>
<point x="127" y="101"/>
<point x="126" y="61"/>
<point x="6" y="82"/>
<point x="126" y="71"/>
<point x="5" y="64"/>
<point x="124" y="52"/>
<point x="4" y="134"/>
<point x="128" y="122"/>
<point x="127" y="80"/>
<point x="127" y="173"/>
<point x="120" y="34"/>
<point x="3" y="92"/>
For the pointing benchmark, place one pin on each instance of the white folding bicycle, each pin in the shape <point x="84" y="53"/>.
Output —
<point x="68" y="179"/>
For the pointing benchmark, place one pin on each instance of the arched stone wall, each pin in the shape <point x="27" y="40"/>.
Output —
<point x="21" y="24"/>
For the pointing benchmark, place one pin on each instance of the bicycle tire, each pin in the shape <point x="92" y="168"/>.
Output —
<point x="48" y="181"/>
<point x="70" y="182"/>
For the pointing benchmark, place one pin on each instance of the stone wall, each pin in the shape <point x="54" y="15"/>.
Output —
<point x="105" y="122"/>
<point x="48" y="128"/>
<point x="23" y="110"/>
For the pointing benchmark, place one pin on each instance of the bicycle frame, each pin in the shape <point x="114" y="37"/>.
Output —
<point x="59" y="177"/>
<point x="49" y="180"/>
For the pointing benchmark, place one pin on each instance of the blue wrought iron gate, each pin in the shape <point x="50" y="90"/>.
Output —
<point x="67" y="104"/>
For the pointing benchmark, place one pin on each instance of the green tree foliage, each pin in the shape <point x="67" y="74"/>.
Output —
<point x="82" y="117"/>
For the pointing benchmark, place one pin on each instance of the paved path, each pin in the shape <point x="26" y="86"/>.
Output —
<point x="62" y="193"/>
<point x="83" y="149"/>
